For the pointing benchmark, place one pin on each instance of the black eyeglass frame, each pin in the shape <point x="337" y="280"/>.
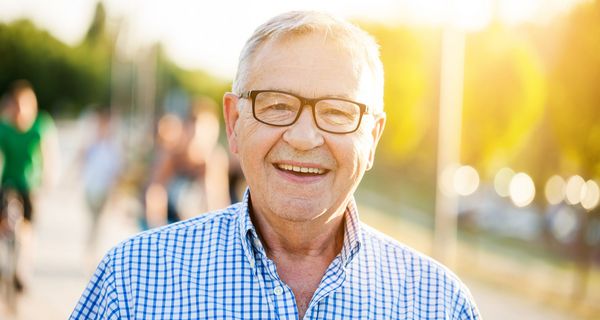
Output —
<point x="252" y="94"/>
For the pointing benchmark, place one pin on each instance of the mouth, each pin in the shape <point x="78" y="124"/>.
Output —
<point x="301" y="170"/>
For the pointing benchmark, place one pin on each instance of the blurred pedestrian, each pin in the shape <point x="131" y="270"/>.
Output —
<point x="29" y="145"/>
<point x="102" y="162"/>
<point x="190" y="173"/>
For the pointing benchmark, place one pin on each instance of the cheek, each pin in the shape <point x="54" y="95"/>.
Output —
<point x="352" y="155"/>
<point x="245" y="130"/>
<point x="255" y="140"/>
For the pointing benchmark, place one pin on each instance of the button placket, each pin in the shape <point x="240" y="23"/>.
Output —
<point x="336" y="273"/>
<point x="285" y="303"/>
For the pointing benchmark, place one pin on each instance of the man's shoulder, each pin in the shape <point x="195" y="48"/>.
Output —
<point x="410" y="273"/>
<point x="377" y="238"/>
<point x="44" y="121"/>
<point x="178" y="235"/>
<point x="406" y="260"/>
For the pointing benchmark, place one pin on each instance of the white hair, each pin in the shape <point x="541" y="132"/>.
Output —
<point x="295" y="23"/>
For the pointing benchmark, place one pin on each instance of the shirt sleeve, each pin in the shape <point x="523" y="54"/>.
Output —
<point x="467" y="309"/>
<point x="100" y="299"/>
<point x="46" y="121"/>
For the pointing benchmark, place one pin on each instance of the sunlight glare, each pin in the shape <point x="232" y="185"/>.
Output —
<point x="470" y="15"/>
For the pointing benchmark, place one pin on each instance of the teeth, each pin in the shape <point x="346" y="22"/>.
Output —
<point x="290" y="167"/>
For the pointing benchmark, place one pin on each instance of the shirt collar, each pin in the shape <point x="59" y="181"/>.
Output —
<point x="352" y="234"/>
<point x="246" y="228"/>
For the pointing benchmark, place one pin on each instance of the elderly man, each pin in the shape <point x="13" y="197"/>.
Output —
<point x="304" y="119"/>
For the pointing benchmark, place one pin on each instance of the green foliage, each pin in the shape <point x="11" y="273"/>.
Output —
<point x="67" y="79"/>
<point x="96" y="33"/>
<point x="51" y="67"/>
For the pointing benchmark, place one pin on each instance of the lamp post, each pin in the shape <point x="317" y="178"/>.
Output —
<point x="449" y="136"/>
<point x="461" y="15"/>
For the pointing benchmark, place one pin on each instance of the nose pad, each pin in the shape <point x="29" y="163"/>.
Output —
<point x="304" y="134"/>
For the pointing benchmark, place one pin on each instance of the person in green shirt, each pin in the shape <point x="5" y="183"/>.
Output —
<point x="28" y="146"/>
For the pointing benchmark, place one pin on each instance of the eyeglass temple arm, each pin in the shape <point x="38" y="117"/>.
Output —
<point x="245" y="95"/>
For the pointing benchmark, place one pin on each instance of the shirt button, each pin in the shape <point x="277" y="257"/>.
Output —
<point x="251" y="263"/>
<point x="257" y="243"/>
<point x="278" y="290"/>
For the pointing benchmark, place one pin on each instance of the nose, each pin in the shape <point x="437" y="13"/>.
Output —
<point x="304" y="134"/>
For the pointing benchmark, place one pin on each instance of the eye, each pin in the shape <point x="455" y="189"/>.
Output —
<point x="281" y="107"/>
<point x="336" y="115"/>
<point x="335" y="112"/>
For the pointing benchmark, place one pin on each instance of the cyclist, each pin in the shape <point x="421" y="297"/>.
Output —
<point x="28" y="144"/>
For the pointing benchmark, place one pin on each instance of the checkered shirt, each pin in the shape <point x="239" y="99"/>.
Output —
<point x="215" y="267"/>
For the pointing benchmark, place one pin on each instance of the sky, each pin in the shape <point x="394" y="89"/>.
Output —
<point x="210" y="34"/>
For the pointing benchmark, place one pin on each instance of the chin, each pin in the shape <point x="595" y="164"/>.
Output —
<point x="300" y="210"/>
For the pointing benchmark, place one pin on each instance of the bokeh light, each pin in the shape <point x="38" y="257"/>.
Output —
<point x="521" y="189"/>
<point x="590" y="195"/>
<point x="502" y="181"/>
<point x="466" y="180"/>
<point x="555" y="189"/>
<point x="573" y="191"/>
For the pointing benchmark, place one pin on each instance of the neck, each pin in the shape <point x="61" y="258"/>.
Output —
<point x="23" y="124"/>
<point x="301" y="250"/>
<point x="322" y="237"/>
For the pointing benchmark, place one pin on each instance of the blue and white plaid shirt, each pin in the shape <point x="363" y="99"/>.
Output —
<point x="214" y="267"/>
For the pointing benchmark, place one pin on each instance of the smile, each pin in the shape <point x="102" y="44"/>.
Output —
<point x="297" y="169"/>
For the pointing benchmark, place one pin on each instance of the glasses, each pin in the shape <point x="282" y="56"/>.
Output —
<point x="282" y="109"/>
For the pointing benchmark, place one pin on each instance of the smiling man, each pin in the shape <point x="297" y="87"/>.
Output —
<point x="304" y="118"/>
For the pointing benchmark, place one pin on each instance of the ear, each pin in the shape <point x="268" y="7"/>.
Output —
<point x="376" y="132"/>
<point x="231" y="116"/>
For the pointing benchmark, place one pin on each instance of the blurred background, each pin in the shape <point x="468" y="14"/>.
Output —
<point x="490" y="160"/>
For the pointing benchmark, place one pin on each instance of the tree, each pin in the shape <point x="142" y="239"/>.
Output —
<point x="30" y="53"/>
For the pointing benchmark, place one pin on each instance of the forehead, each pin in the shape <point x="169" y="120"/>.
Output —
<point x="24" y="93"/>
<point x="312" y="65"/>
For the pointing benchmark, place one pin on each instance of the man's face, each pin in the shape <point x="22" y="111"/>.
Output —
<point x="25" y="109"/>
<point x="312" y="67"/>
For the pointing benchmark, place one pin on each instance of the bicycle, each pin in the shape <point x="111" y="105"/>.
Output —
<point x="11" y="214"/>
